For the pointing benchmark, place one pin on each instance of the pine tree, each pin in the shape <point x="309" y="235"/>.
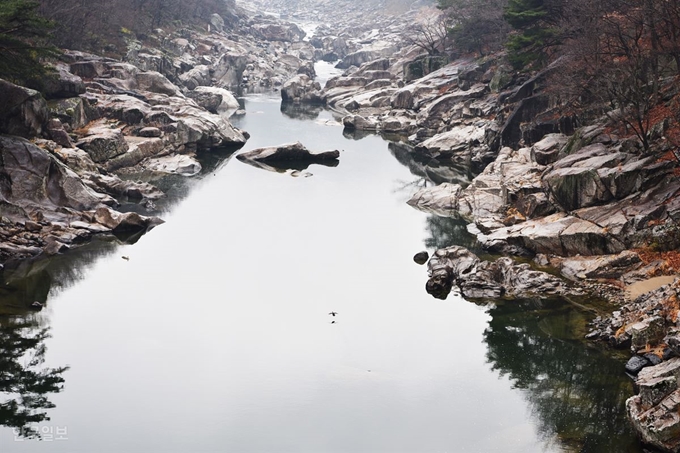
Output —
<point x="24" y="40"/>
<point x="536" y="33"/>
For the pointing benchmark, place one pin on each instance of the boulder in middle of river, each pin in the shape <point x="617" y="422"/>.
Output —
<point x="290" y="156"/>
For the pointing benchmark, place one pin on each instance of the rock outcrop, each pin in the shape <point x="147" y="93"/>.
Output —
<point x="24" y="111"/>
<point x="498" y="279"/>
<point x="289" y="156"/>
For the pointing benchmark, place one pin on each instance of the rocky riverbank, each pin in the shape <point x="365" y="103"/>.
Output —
<point x="577" y="206"/>
<point x="72" y="153"/>
<point x="565" y="206"/>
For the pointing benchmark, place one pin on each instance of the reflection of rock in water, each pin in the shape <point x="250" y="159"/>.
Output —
<point x="24" y="384"/>
<point x="432" y="170"/>
<point x="301" y="111"/>
<point x="35" y="280"/>
<point x="447" y="231"/>
<point x="289" y="156"/>
<point x="353" y="134"/>
<point x="575" y="393"/>
<point x="284" y="166"/>
<point x="175" y="186"/>
<point x="444" y="231"/>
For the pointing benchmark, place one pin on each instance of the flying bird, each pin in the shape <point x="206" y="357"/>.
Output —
<point x="333" y="313"/>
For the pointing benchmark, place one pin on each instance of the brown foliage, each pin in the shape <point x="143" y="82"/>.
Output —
<point x="671" y="259"/>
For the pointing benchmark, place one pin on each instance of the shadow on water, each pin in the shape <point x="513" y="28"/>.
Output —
<point x="576" y="393"/>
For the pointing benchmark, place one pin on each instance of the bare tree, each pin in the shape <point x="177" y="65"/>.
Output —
<point x="476" y="25"/>
<point x="431" y="34"/>
<point x="616" y="52"/>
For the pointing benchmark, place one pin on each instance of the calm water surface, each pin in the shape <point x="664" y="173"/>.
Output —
<point x="215" y="335"/>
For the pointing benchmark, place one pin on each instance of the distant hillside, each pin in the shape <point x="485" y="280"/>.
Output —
<point x="102" y="26"/>
<point x="303" y="9"/>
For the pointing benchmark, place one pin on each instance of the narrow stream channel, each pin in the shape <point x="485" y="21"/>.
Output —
<point x="215" y="335"/>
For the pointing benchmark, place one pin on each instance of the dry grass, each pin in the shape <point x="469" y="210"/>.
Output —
<point x="670" y="259"/>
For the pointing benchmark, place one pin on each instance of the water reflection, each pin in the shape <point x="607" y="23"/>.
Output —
<point x="447" y="231"/>
<point x="354" y="134"/>
<point x="432" y="170"/>
<point x="301" y="111"/>
<point x="284" y="166"/>
<point x="176" y="187"/>
<point x="575" y="393"/>
<point x="36" y="280"/>
<point x="25" y="385"/>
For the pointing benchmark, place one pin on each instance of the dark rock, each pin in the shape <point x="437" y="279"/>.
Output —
<point x="673" y="342"/>
<point x="88" y="69"/>
<point x="62" y="84"/>
<point x="23" y="112"/>
<point x="653" y="358"/>
<point x="423" y="66"/>
<point x="421" y="257"/>
<point x="287" y="153"/>
<point x="636" y="363"/>
<point x="668" y="353"/>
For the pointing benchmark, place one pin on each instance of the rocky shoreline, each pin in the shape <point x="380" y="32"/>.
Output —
<point x="587" y="210"/>
<point x="566" y="207"/>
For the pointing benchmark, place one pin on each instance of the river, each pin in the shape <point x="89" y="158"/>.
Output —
<point x="214" y="334"/>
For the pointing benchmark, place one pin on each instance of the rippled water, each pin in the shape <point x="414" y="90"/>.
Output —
<point x="215" y="335"/>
